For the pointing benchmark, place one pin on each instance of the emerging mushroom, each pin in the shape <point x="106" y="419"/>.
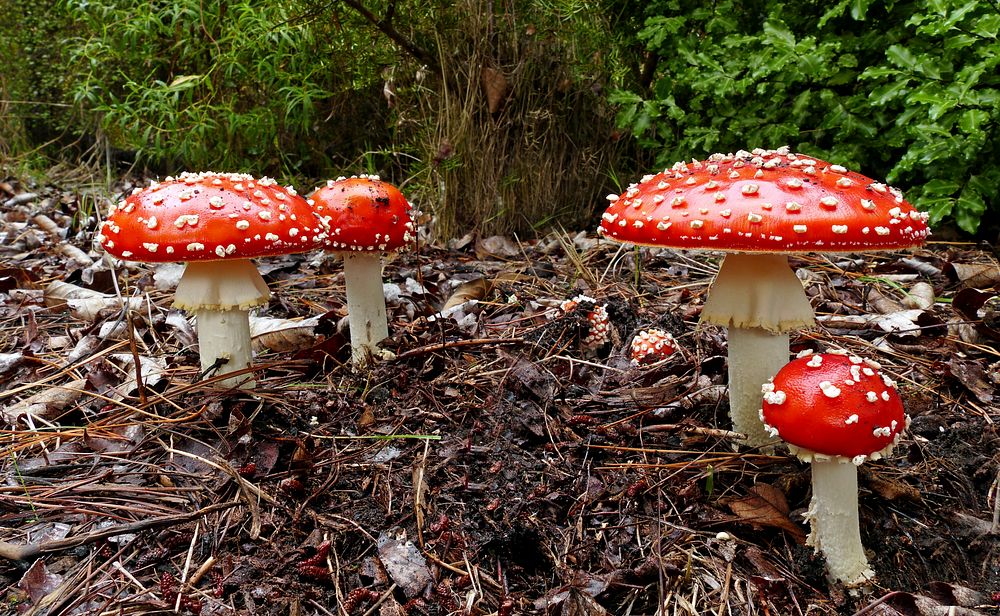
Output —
<point x="215" y="222"/>
<point x="652" y="345"/>
<point x="760" y="207"/>
<point x="836" y="411"/>
<point x="367" y="217"/>
<point x="598" y="322"/>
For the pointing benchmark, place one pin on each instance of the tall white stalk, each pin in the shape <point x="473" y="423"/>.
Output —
<point x="833" y="520"/>
<point x="365" y="303"/>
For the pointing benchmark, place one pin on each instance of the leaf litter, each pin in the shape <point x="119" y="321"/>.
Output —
<point x="493" y="463"/>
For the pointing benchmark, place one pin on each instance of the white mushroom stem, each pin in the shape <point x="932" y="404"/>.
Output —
<point x="755" y="355"/>
<point x="220" y="294"/>
<point x="225" y="334"/>
<point x="365" y="303"/>
<point x="833" y="519"/>
<point x="759" y="298"/>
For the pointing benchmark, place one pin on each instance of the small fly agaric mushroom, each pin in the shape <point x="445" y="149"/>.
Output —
<point x="215" y="222"/>
<point x="836" y="411"/>
<point x="759" y="207"/>
<point x="652" y="345"/>
<point x="598" y="323"/>
<point x="367" y="217"/>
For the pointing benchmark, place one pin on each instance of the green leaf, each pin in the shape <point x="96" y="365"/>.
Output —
<point x="985" y="183"/>
<point x="970" y="121"/>
<point x="779" y="34"/>
<point x="184" y="82"/>
<point x="888" y="92"/>
<point x="941" y="187"/>
<point x="969" y="208"/>
<point x="938" y="208"/>
<point x="987" y="25"/>
<point x="859" y="9"/>
<point x="901" y="57"/>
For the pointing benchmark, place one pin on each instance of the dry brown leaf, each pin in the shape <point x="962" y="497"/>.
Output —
<point x="496" y="246"/>
<point x="891" y="489"/>
<point x="974" y="274"/>
<point x="495" y="87"/>
<point x="153" y="370"/>
<point x="953" y="594"/>
<point x="38" y="582"/>
<point x="405" y="564"/>
<point x="765" y="505"/>
<point x="45" y="403"/>
<point x="84" y="304"/>
<point x="972" y="375"/>
<point x="579" y="603"/>
<point x="467" y="291"/>
<point x="920" y="296"/>
<point x="282" y="335"/>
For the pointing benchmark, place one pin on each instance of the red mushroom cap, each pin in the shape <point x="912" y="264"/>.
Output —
<point x="365" y="214"/>
<point x="652" y="345"/>
<point x="598" y="322"/>
<point x="210" y="216"/>
<point x="763" y="201"/>
<point x="836" y="405"/>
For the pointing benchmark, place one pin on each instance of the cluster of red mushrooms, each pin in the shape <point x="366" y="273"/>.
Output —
<point x="833" y="410"/>
<point x="217" y="222"/>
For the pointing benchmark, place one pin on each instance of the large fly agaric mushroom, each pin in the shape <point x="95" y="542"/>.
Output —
<point x="367" y="217"/>
<point x="835" y="411"/>
<point x="759" y="207"/>
<point x="215" y="222"/>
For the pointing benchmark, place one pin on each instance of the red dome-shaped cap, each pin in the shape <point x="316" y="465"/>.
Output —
<point x="763" y="201"/>
<point x="364" y="214"/>
<point x="210" y="216"/>
<point x="835" y="405"/>
<point x="652" y="345"/>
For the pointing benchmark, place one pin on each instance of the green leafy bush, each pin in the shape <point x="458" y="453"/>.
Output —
<point x="902" y="90"/>
<point x="232" y="85"/>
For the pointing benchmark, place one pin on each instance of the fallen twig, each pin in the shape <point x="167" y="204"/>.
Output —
<point x="441" y="346"/>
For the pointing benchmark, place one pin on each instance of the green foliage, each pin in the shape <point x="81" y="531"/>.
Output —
<point x="33" y="77"/>
<point x="213" y="84"/>
<point x="902" y="90"/>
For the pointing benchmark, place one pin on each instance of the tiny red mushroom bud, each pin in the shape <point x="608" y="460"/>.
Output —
<point x="652" y="345"/>
<point x="598" y="323"/>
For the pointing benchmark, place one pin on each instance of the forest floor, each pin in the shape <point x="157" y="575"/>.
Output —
<point x="492" y="465"/>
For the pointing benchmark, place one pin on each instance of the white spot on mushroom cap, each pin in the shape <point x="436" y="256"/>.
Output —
<point x="829" y="389"/>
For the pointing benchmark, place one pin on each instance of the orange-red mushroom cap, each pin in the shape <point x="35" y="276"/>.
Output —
<point x="652" y="345"/>
<point x="763" y="201"/>
<point x="210" y="216"/>
<point x="364" y="214"/>
<point x="835" y="405"/>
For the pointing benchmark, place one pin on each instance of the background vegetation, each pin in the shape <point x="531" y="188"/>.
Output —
<point x="508" y="116"/>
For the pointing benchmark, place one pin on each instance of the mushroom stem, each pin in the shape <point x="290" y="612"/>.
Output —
<point x="225" y="334"/>
<point x="755" y="355"/>
<point x="220" y="294"/>
<point x="759" y="298"/>
<point x="365" y="303"/>
<point x="833" y="519"/>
